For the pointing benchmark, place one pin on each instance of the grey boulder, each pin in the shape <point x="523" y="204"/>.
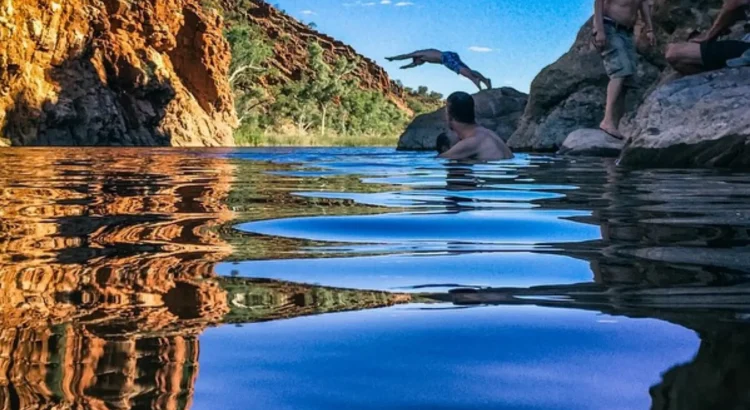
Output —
<point x="591" y="142"/>
<point x="696" y="121"/>
<point x="497" y="109"/>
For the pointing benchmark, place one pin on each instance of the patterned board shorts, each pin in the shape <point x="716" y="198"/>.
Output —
<point x="453" y="62"/>
<point x="619" y="54"/>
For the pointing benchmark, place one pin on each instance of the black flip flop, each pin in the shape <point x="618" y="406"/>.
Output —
<point x="611" y="135"/>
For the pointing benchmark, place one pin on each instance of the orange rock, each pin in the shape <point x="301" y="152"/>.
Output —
<point x="113" y="72"/>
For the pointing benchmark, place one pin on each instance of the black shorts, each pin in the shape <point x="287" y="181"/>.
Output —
<point x="716" y="53"/>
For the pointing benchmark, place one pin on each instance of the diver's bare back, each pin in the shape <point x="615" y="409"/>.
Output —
<point x="491" y="146"/>
<point x="624" y="12"/>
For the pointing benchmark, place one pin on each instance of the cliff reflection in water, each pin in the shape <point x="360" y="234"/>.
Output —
<point x="104" y="267"/>
<point x="107" y="277"/>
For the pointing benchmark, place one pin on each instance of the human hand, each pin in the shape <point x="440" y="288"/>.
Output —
<point x="600" y="40"/>
<point x="651" y="38"/>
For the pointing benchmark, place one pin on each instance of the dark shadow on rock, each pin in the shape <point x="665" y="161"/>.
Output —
<point x="92" y="111"/>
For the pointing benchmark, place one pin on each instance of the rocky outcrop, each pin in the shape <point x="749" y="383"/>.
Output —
<point x="291" y="38"/>
<point x="497" y="109"/>
<point x="113" y="72"/>
<point x="696" y="121"/>
<point x="591" y="142"/>
<point x="570" y="93"/>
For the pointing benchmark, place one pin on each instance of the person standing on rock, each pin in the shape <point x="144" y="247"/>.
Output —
<point x="449" y="59"/>
<point x="614" y="23"/>
<point x="704" y="53"/>
<point x="476" y="142"/>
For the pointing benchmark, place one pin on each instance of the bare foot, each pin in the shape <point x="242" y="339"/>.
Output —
<point x="611" y="131"/>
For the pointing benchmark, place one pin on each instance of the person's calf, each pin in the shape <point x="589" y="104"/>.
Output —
<point x="685" y="57"/>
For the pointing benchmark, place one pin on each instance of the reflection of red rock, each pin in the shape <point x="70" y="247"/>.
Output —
<point x="107" y="276"/>
<point x="67" y="367"/>
<point x="129" y="233"/>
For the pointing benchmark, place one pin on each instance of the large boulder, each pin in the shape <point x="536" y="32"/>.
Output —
<point x="497" y="109"/>
<point x="697" y="121"/>
<point x="570" y="93"/>
<point x="591" y="142"/>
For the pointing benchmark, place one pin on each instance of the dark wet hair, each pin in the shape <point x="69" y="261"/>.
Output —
<point x="443" y="143"/>
<point x="461" y="107"/>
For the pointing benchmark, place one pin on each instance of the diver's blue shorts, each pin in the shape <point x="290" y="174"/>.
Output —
<point x="453" y="62"/>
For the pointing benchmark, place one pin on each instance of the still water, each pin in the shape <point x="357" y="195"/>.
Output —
<point x="320" y="279"/>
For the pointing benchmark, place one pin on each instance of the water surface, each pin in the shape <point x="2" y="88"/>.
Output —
<point x="312" y="279"/>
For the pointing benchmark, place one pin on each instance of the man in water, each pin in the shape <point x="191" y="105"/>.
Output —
<point x="449" y="59"/>
<point x="476" y="142"/>
<point x="614" y="21"/>
<point x="704" y="53"/>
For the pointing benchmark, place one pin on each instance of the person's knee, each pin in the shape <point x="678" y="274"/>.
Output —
<point x="676" y="55"/>
<point x="672" y="54"/>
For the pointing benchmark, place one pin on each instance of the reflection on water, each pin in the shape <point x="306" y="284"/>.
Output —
<point x="119" y="266"/>
<point x="107" y="277"/>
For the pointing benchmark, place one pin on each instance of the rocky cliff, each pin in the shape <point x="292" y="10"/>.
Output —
<point x="290" y="39"/>
<point x="113" y="72"/>
<point x="696" y="121"/>
<point x="570" y="93"/>
<point x="498" y="109"/>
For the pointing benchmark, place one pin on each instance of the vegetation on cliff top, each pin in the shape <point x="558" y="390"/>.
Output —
<point x="327" y="106"/>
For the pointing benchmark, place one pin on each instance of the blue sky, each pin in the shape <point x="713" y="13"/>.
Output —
<point x="512" y="39"/>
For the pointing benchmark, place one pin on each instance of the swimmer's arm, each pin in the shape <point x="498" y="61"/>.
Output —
<point x="463" y="150"/>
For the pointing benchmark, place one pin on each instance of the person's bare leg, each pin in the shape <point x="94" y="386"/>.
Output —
<point x="614" y="93"/>
<point x="403" y="56"/>
<point x="618" y="110"/>
<point x="416" y="63"/>
<point x="730" y="13"/>
<point x="685" y="58"/>
<point x="471" y="75"/>
<point x="486" y="81"/>
<point x="421" y="54"/>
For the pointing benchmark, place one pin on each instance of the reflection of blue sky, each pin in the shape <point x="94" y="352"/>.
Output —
<point x="394" y="272"/>
<point x="497" y="227"/>
<point x="405" y="358"/>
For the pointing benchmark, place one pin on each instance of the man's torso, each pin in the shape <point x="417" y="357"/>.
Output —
<point x="624" y="12"/>
<point x="491" y="146"/>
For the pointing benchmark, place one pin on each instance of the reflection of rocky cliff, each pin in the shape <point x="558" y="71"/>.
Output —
<point x="718" y="377"/>
<point x="128" y="232"/>
<point x="260" y="300"/>
<point x="107" y="278"/>
<point x="130" y="356"/>
<point x="657" y="230"/>
<point x="67" y="367"/>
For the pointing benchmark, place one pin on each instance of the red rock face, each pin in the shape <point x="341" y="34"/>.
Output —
<point x="113" y="72"/>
